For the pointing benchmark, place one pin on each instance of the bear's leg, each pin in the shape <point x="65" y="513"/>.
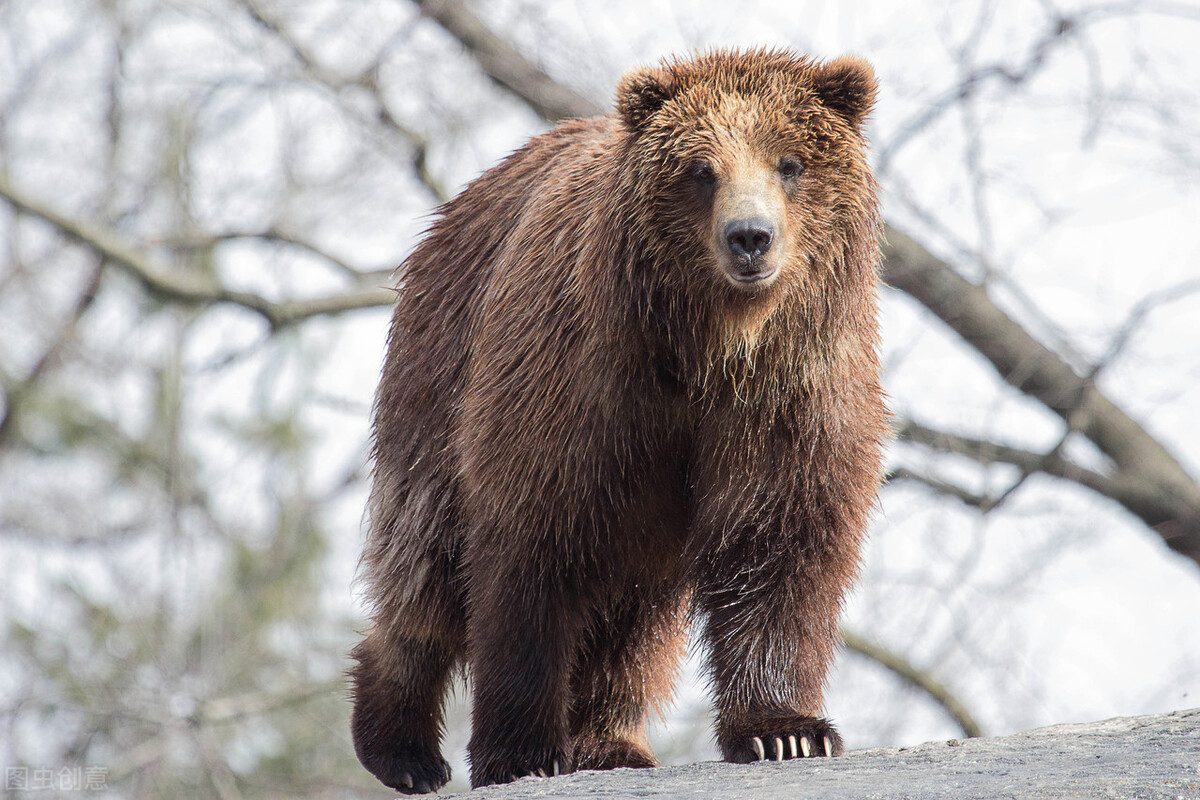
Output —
<point x="627" y="668"/>
<point x="399" y="687"/>
<point x="524" y="622"/>
<point x="771" y="628"/>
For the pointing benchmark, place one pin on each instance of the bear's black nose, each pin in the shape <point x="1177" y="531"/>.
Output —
<point x="749" y="238"/>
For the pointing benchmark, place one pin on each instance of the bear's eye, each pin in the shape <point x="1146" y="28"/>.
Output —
<point x="703" y="174"/>
<point x="790" y="168"/>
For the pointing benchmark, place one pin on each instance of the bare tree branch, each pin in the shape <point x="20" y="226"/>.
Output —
<point x="965" y="496"/>
<point x="918" y="678"/>
<point x="505" y="65"/>
<point x="367" y="80"/>
<point x="188" y="287"/>
<point x="1148" y="480"/>
<point x="276" y="236"/>
<point x="1137" y="316"/>
<point x="17" y="391"/>
<point x="968" y="85"/>
<point x="987" y="452"/>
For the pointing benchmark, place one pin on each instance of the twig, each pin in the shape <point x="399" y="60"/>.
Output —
<point x="970" y="83"/>
<point x="1137" y="316"/>
<point x="965" y="496"/>
<point x="366" y="80"/>
<point x="188" y="287"/>
<point x="918" y="678"/>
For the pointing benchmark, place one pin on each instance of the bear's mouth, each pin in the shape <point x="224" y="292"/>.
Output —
<point x="751" y="274"/>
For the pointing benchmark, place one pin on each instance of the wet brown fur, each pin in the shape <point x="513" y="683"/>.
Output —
<point x="585" y="431"/>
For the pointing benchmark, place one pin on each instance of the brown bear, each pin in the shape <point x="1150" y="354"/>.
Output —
<point x="631" y="381"/>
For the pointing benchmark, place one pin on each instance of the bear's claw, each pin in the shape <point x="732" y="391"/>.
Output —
<point x="779" y="753"/>
<point x="412" y="772"/>
<point x="541" y="773"/>
<point x="510" y="772"/>
<point x="785" y="737"/>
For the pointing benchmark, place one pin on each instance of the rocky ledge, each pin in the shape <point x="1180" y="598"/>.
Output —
<point x="1156" y="756"/>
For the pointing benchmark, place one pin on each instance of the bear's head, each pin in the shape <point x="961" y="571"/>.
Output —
<point x="752" y="171"/>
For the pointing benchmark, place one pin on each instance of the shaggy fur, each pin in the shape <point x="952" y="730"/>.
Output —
<point x="631" y="376"/>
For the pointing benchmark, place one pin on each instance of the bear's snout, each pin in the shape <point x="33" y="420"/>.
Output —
<point x="748" y="240"/>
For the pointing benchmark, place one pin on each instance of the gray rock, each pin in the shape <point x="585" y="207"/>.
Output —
<point x="1155" y="756"/>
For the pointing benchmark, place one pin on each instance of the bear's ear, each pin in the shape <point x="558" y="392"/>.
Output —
<point x="847" y="86"/>
<point x="641" y="93"/>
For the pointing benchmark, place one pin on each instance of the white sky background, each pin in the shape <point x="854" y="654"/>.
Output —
<point x="1084" y="200"/>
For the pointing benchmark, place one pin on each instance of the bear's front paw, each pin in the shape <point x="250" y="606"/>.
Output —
<point x="506" y="768"/>
<point x="411" y="771"/>
<point x="781" y="737"/>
